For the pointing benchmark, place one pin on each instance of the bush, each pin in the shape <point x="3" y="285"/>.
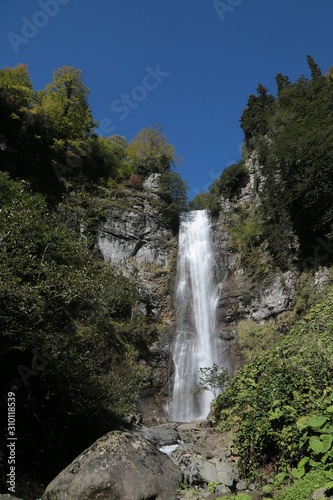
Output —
<point x="255" y="339"/>
<point x="232" y="179"/>
<point x="134" y="182"/>
<point x="267" y="398"/>
<point x="205" y="201"/>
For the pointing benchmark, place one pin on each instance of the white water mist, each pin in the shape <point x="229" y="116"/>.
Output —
<point x="196" y="342"/>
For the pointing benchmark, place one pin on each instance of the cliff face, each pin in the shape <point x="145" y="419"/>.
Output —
<point x="137" y="241"/>
<point x="241" y="297"/>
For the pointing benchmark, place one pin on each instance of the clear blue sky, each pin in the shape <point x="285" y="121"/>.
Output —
<point x="210" y="59"/>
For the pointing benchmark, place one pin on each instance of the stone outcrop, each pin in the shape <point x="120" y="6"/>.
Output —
<point x="118" y="466"/>
<point x="159" y="435"/>
<point x="135" y="240"/>
<point x="240" y="297"/>
<point x="205" y="456"/>
<point x="136" y="233"/>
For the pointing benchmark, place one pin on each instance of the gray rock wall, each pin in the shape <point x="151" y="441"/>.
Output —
<point x="241" y="298"/>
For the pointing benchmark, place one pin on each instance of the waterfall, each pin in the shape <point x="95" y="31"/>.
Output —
<point x="196" y="343"/>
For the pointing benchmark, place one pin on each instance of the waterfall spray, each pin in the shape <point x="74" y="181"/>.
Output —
<point x="196" y="343"/>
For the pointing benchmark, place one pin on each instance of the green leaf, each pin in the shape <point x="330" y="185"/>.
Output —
<point x="302" y="423"/>
<point x="276" y="414"/>
<point x="326" y="457"/>
<point x="321" y="444"/>
<point x="304" y="461"/>
<point x="316" y="422"/>
<point x="298" y="472"/>
<point x="279" y="477"/>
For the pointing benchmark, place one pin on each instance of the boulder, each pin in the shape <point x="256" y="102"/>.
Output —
<point x="159" y="435"/>
<point x="118" y="466"/>
<point x="204" y="456"/>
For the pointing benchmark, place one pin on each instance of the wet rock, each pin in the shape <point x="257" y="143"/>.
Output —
<point x="160" y="435"/>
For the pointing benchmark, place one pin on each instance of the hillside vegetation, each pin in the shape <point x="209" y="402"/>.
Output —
<point x="74" y="346"/>
<point x="280" y="405"/>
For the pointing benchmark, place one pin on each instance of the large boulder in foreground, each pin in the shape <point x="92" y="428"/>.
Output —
<point x="118" y="466"/>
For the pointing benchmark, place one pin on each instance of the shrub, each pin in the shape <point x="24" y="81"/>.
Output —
<point x="267" y="398"/>
<point x="232" y="179"/>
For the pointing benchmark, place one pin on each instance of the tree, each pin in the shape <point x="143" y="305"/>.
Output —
<point x="282" y="81"/>
<point x="255" y="118"/>
<point x="64" y="104"/>
<point x="173" y="196"/>
<point x="232" y="179"/>
<point x="105" y="157"/>
<point x="206" y="201"/>
<point x="150" y="152"/>
<point x="315" y="70"/>
<point x="213" y="379"/>
<point x="16" y="91"/>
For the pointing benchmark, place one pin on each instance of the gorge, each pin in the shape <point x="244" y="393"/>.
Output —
<point x="112" y="302"/>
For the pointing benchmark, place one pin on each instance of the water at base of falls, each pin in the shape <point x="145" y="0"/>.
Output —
<point x="196" y="343"/>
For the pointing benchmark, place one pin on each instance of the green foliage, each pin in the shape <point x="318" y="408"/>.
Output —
<point x="315" y="70"/>
<point x="73" y="345"/>
<point x="231" y="180"/>
<point x="213" y="379"/>
<point x="297" y="166"/>
<point x="247" y="239"/>
<point x="70" y="345"/>
<point x="105" y="157"/>
<point x="303" y="488"/>
<point x="173" y="197"/>
<point x="293" y="137"/>
<point x="205" y="201"/>
<point x="255" y="118"/>
<point x="150" y="152"/>
<point x="212" y="486"/>
<point x="267" y="398"/>
<point x="64" y="105"/>
<point x="255" y="339"/>
<point x="16" y="93"/>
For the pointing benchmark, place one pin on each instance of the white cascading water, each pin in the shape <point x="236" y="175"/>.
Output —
<point x="196" y="342"/>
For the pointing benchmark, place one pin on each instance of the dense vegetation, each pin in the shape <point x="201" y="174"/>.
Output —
<point x="293" y="136"/>
<point x="281" y="402"/>
<point x="280" y="405"/>
<point x="73" y="344"/>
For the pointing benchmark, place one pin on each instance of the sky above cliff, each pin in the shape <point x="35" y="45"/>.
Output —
<point x="189" y="65"/>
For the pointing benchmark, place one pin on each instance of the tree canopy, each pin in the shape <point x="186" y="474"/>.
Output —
<point x="150" y="152"/>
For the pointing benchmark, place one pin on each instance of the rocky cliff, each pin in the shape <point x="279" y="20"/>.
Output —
<point x="242" y="297"/>
<point x="137" y="241"/>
